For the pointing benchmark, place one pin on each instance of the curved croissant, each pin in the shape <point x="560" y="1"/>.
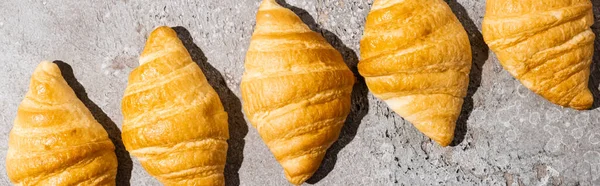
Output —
<point x="416" y="57"/>
<point x="296" y="90"/>
<point x="55" y="139"/>
<point x="174" y="122"/>
<point x="546" y="44"/>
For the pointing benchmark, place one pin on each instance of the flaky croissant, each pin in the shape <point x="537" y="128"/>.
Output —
<point x="546" y="44"/>
<point x="296" y="90"/>
<point x="174" y="122"/>
<point x="55" y="139"/>
<point x="416" y="57"/>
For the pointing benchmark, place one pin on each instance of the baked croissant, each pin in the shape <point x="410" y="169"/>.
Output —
<point x="174" y="122"/>
<point x="55" y="139"/>
<point x="296" y="90"/>
<point x="416" y="57"/>
<point x="546" y="44"/>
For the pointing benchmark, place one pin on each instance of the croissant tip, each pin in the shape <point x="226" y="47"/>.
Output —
<point x="48" y="67"/>
<point x="443" y="142"/>
<point x="161" y="28"/>
<point x="268" y="3"/>
<point x="297" y="180"/>
<point x="442" y="138"/>
<point x="298" y="170"/>
<point x="442" y="132"/>
<point x="583" y="101"/>
<point x="158" y="39"/>
<point x="162" y="31"/>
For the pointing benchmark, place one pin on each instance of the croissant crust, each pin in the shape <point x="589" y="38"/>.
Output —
<point x="55" y="139"/>
<point x="547" y="44"/>
<point x="416" y="57"/>
<point x="296" y="90"/>
<point x="174" y="122"/>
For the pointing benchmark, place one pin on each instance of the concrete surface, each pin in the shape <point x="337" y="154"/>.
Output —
<point x="507" y="135"/>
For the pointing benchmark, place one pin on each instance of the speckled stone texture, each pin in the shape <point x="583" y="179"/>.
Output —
<point x="506" y="135"/>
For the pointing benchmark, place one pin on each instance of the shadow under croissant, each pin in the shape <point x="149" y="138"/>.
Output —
<point x="360" y="103"/>
<point x="594" y="83"/>
<point x="125" y="164"/>
<point x="480" y="52"/>
<point x="237" y="124"/>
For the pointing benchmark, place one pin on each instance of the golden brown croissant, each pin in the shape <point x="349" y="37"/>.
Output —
<point x="296" y="90"/>
<point x="174" y="122"/>
<point x="55" y="139"/>
<point x="546" y="44"/>
<point x="416" y="57"/>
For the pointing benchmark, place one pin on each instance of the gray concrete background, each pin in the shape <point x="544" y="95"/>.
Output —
<point x="507" y="135"/>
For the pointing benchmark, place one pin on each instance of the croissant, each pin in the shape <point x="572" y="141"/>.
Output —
<point x="55" y="139"/>
<point x="416" y="57"/>
<point x="296" y="90"/>
<point x="546" y="44"/>
<point x="174" y="122"/>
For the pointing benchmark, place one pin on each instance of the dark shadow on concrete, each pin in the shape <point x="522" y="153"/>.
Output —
<point x="114" y="133"/>
<point x="480" y="52"/>
<point x="360" y="102"/>
<point x="594" y="83"/>
<point x="237" y="124"/>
